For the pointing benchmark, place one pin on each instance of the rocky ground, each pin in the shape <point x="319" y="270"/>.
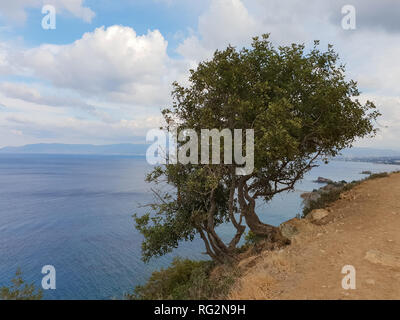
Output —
<point x="362" y="230"/>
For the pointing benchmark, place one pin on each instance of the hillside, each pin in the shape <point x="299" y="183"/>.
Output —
<point x="361" y="229"/>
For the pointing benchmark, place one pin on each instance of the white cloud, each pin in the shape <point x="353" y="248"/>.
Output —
<point x="8" y="65"/>
<point x="25" y="123"/>
<point x="15" y="11"/>
<point x="114" y="62"/>
<point x="193" y="50"/>
<point x="227" y="21"/>
<point x="236" y="22"/>
<point x="75" y="7"/>
<point x="388" y="124"/>
<point x="107" y="86"/>
<point x="30" y="93"/>
<point x="17" y="132"/>
<point x="224" y="22"/>
<point x="373" y="60"/>
<point x="110" y="84"/>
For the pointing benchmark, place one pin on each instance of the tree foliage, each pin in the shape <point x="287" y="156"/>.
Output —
<point x="20" y="290"/>
<point x="301" y="108"/>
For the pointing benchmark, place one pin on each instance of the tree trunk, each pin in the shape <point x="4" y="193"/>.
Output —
<point x="247" y="206"/>
<point x="262" y="229"/>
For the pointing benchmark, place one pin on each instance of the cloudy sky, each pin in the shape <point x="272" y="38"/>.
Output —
<point x="105" y="72"/>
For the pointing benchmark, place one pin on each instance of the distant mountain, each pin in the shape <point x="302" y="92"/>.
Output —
<point x="140" y="149"/>
<point x="84" y="149"/>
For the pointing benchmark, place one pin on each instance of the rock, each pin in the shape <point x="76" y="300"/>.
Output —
<point x="288" y="229"/>
<point x="344" y="196"/>
<point x="317" y="215"/>
<point x="323" y="180"/>
<point x="378" y="257"/>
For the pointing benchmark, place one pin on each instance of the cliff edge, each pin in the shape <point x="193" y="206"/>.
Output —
<point x="361" y="229"/>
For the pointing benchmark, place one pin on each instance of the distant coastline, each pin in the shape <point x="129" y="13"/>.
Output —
<point x="383" y="156"/>
<point x="380" y="160"/>
<point x="78" y="149"/>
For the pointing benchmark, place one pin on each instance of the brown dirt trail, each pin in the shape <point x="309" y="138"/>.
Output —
<point x="362" y="230"/>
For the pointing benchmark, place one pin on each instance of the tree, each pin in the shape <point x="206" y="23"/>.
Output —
<point x="201" y="199"/>
<point x="19" y="290"/>
<point x="301" y="108"/>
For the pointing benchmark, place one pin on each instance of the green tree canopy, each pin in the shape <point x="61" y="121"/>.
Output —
<point x="301" y="108"/>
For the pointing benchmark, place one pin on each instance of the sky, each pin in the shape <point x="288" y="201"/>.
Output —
<point x="105" y="72"/>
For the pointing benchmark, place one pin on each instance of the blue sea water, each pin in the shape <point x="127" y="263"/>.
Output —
<point x="75" y="213"/>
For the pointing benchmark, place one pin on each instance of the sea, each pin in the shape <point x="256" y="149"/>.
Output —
<point x="74" y="212"/>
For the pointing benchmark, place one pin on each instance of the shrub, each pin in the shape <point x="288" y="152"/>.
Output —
<point x="19" y="290"/>
<point x="251" y="238"/>
<point x="333" y="195"/>
<point x="185" y="280"/>
<point x="378" y="175"/>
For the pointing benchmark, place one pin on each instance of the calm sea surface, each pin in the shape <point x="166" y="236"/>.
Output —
<point x="75" y="213"/>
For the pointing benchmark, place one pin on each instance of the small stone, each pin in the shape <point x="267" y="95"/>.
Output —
<point x="288" y="230"/>
<point x="370" y="282"/>
<point x="317" y="215"/>
<point x="377" y="257"/>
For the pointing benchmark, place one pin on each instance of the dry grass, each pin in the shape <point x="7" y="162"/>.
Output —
<point x="257" y="287"/>
<point x="258" y="282"/>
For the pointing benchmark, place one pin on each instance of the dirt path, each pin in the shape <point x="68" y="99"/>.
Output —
<point x="362" y="230"/>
